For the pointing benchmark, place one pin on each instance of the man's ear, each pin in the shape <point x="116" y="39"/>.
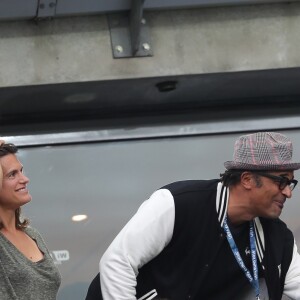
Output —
<point x="247" y="180"/>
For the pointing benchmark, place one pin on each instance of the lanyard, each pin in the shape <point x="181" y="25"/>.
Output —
<point x="253" y="280"/>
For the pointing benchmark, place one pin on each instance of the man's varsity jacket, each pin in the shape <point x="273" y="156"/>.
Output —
<point x="178" y="272"/>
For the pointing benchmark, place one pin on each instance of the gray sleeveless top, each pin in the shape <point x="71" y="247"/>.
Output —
<point x="22" y="279"/>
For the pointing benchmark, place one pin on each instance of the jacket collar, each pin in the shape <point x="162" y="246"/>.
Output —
<point x="222" y="206"/>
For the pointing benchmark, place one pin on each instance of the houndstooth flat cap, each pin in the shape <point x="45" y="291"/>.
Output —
<point x="263" y="151"/>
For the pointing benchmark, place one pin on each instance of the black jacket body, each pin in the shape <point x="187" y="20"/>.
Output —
<point x="198" y="254"/>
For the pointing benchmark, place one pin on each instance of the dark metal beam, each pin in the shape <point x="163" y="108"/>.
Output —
<point x="20" y="9"/>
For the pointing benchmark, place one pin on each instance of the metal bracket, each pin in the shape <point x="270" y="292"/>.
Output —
<point x="46" y="9"/>
<point x="129" y="33"/>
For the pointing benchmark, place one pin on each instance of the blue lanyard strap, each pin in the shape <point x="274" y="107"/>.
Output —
<point x="253" y="280"/>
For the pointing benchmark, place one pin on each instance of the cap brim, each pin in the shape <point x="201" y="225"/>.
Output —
<point x="229" y="165"/>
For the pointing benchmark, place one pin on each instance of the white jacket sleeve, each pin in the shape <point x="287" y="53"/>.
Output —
<point x="143" y="237"/>
<point x="292" y="280"/>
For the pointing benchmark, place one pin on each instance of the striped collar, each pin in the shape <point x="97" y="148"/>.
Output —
<point x="222" y="206"/>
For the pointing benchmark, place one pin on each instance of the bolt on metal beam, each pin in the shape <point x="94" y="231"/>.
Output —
<point x="46" y="9"/>
<point x="129" y="32"/>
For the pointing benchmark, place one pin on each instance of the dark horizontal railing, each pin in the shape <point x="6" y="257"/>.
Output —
<point x="20" y="9"/>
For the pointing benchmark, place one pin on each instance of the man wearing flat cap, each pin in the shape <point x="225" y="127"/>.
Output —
<point x="211" y="239"/>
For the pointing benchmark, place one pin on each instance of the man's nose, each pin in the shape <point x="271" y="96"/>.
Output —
<point x="287" y="191"/>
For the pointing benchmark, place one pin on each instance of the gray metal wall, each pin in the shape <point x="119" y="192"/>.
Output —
<point x="108" y="181"/>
